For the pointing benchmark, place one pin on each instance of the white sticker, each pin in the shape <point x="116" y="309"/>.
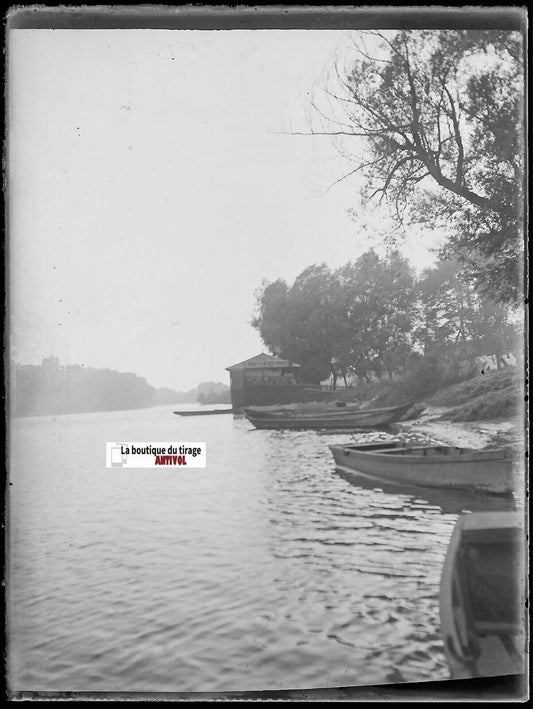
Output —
<point x="155" y="455"/>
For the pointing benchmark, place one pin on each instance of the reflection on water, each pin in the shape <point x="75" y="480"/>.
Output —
<point x="446" y="500"/>
<point x="266" y="570"/>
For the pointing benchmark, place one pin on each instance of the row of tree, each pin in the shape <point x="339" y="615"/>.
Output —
<point x="213" y="393"/>
<point x="373" y="316"/>
<point x="53" y="388"/>
<point x="434" y="123"/>
<point x="204" y="393"/>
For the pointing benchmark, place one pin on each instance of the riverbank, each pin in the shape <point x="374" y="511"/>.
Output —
<point x="501" y="432"/>
<point x="483" y="412"/>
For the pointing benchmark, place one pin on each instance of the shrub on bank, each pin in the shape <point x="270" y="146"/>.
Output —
<point x="423" y="377"/>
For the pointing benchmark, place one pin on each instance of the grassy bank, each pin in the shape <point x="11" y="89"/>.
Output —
<point x="498" y="394"/>
<point x="488" y="396"/>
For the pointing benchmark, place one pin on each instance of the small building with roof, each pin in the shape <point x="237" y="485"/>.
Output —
<point x="263" y="380"/>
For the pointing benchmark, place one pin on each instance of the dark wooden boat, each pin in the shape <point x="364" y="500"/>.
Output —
<point x="429" y="466"/>
<point x="281" y="412"/>
<point x="482" y="596"/>
<point x="211" y="412"/>
<point x="308" y="407"/>
<point x="342" y="418"/>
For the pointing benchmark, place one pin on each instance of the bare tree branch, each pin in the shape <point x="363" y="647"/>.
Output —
<point x="459" y="177"/>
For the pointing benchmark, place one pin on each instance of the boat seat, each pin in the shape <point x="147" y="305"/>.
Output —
<point x="375" y="445"/>
<point x="497" y="628"/>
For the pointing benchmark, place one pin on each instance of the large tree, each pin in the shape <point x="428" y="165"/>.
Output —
<point x="453" y="315"/>
<point x="298" y="323"/>
<point x="356" y="319"/>
<point x="376" y="313"/>
<point x="440" y="117"/>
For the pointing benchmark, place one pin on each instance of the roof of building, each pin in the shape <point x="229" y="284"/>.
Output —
<point x="262" y="361"/>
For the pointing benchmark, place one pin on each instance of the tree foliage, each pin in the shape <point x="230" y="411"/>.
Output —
<point x="441" y="115"/>
<point x="356" y="319"/>
<point x="453" y="315"/>
<point x="374" y="316"/>
<point x="379" y="297"/>
<point x="298" y="323"/>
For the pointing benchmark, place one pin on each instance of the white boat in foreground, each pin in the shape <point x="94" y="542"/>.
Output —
<point x="429" y="466"/>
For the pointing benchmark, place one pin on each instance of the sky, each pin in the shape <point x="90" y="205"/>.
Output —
<point x="154" y="183"/>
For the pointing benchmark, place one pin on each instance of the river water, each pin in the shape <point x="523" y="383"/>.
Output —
<point x="265" y="570"/>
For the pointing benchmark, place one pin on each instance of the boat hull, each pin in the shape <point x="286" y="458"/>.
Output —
<point x="482" y="596"/>
<point x="211" y="412"/>
<point x="370" y="418"/>
<point x="304" y="409"/>
<point x="429" y="467"/>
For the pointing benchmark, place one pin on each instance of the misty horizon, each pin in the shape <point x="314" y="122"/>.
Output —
<point x="186" y="389"/>
<point x="150" y="197"/>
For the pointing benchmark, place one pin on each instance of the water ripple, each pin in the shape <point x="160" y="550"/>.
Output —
<point x="266" y="570"/>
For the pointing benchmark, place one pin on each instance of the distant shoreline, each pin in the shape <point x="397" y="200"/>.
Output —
<point x="107" y="411"/>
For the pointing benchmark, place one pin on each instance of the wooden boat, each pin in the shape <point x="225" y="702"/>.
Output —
<point x="482" y="597"/>
<point x="429" y="466"/>
<point x="338" y="419"/>
<point x="211" y="412"/>
<point x="316" y="409"/>
<point x="307" y="407"/>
